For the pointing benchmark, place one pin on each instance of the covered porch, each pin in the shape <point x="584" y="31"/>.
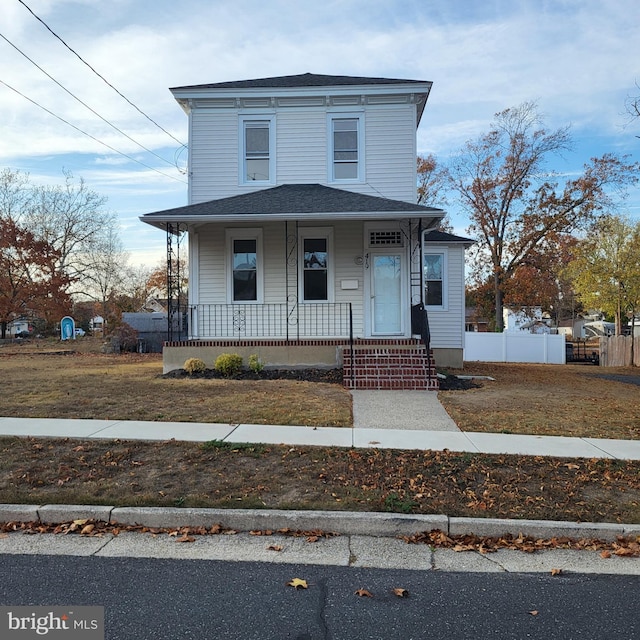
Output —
<point x="304" y="276"/>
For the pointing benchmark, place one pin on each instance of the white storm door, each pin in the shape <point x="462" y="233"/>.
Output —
<point x="387" y="316"/>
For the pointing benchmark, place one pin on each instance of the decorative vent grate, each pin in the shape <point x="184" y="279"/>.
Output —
<point x="389" y="238"/>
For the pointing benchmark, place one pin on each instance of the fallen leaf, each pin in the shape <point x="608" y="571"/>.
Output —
<point x="297" y="583"/>
<point x="571" y="465"/>
<point x="185" y="538"/>
<point x="533" y="613"/>
<point x="275" y="547"/>
<point x="400" y="592"/>
<point x="556" y="572"/>
<point x="87" y="529"/>
<point x="605" y="554"/>
<point x="313" y="539"/>
<point x="624" y="551"/>
<point x="363" y="593"/>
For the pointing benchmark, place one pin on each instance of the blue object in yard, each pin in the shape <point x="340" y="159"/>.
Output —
<point x="67" y="328"/>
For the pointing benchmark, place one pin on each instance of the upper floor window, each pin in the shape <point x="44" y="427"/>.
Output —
<point x="346" y="148"/>
<point x="257" y="150"/>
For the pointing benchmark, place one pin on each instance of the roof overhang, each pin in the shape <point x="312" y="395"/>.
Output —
<point x="432" y="217"/>
<point x="331" y="95"/>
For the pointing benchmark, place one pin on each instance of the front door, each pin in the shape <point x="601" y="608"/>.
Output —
<point x="386" y="290"/>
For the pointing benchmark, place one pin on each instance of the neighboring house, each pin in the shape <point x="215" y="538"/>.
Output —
<point x="151" y="328"/>
<point x="474" y="322"/>
<point x="19" y="326"/>
<point x="531" y="320"/>
<point x="306" y="245"/>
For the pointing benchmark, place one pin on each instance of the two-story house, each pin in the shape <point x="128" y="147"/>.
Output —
<point x="305" y="242"/>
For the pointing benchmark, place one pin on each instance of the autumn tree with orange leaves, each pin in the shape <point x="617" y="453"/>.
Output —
<point x="30" y="283"/>
<point x="517" y="208"/>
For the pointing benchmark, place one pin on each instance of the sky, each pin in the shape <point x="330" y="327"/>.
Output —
<point x="577" y="59"/>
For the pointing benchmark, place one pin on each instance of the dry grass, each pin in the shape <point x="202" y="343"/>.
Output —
<point x="560" y="400"/>
<point x="224" y="475"/>
<point x="40" y="381"/>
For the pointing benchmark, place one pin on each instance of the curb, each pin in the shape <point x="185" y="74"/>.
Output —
<point x="372" y="524"/>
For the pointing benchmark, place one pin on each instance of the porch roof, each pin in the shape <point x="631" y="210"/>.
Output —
<point x="309" y="202"/>
<point x="437" y="236"/>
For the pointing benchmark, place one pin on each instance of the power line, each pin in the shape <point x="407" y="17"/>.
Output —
<point x="73" y="126"/>
<point x="113" y="126"/>
<point x="98" y="74"/>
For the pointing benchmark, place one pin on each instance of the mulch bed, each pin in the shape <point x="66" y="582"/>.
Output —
<point x="331" y="376"/>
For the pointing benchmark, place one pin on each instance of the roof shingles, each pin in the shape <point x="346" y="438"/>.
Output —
<point x="295" y="199"/>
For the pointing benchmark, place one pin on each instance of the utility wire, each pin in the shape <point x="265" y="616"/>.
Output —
<point x="98" y="74"/>
<point x="104" y="144"/>
<point x="113" y="126"/>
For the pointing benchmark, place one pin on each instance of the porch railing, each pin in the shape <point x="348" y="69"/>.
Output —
<point x="278" y="321"/>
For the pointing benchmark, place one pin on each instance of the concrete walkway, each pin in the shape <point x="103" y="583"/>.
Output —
<point x="382" y="419"/>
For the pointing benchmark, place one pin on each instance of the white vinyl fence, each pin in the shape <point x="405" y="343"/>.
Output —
<point x="510" y="346"/>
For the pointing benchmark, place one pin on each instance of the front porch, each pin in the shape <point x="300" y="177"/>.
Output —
<point x="367" y="363"/>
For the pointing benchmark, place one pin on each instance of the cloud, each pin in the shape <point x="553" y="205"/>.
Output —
<point x="575" y="57"/>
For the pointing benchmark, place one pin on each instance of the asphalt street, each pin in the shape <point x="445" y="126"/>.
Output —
<point x="160" y="599"/>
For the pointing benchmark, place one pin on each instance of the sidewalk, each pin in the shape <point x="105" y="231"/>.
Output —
<point x="387" y="420"/>
<point x="402" y="420"/>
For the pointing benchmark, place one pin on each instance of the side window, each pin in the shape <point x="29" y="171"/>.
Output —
<point x="316" y="266"/>
<point x="245" y="265"/>
<point x="346" y="148"/>
<point x="434" y="279"/>
<point x="256" y="150"/>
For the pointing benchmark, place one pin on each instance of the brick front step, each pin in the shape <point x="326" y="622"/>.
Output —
<point x="387" y="367"/>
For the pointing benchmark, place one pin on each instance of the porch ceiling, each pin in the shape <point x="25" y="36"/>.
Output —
<point x="309" y="202"/>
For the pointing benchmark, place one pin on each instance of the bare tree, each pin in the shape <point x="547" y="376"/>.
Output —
<point x="516" y="206"/>
<point x="632" y="105"/>
<point x="71" y="218"/>
<point x="432" y="186"/>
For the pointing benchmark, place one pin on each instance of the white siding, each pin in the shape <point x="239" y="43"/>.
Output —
<point x="391" y="152"/>
<point x="447" y="326"/>
<point x="347" y="245"/>
<point x="301" y="151"/>
<point x="212" y="274"/>
<point x="214" y="155"/>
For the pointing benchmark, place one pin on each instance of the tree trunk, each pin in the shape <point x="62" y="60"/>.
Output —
<point x="3" y="330"/>
<point x="498" y="296"/>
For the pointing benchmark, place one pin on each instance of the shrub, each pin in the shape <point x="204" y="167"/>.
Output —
<point x="255" y="364"/>
<point x="194" y="365"/>
<point x="123" y="338"/>
<point x="229" y="364"/>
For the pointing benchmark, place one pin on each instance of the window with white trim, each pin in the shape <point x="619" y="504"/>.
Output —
<point x="434" y="279"/>
<point x="346" y="148"/>
<point x="245" y="265"/>
<point x="316" y="279"/>
<point x="257" y="149"/>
